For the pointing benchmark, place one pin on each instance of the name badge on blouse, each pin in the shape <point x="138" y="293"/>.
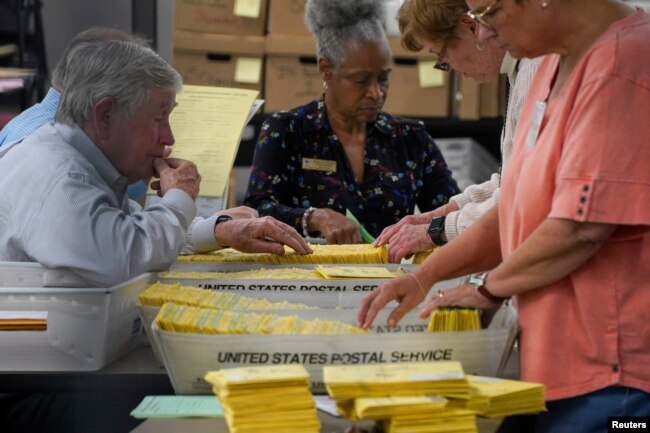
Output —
<point x="318" y="164"/>
<point x="535" y="124"/>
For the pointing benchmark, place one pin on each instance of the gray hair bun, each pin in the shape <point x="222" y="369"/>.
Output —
<point x="322" y="14"/>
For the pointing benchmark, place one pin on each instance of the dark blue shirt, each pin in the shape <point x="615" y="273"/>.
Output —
<point x="402" y="167"/>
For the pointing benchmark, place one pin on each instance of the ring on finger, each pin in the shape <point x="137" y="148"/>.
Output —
<point x="440" y="293"/>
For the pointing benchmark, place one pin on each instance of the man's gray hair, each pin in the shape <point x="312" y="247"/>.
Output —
<point x="337" y="24"/>
<point x="93" y="34"/>
<point x="125" y="71"/>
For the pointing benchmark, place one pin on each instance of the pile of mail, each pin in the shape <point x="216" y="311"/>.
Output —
<point x="404" y="397"/>
<point x="494" y="397"/>
<point x="267" y="398"/>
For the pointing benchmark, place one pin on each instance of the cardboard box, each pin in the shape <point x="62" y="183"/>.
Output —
<point x="416" y="89"/>
<point x="187" y="357"/>
<point x="218" y="16"/>
<point x="219" y="60"/>
<point x="476" y="100"/>
<point x="291" y="72"/>
<point x="87" y="327"/>
<point x="410" y="96"/>
<point x="287" y="17"/>
<point x="292" y="79"/>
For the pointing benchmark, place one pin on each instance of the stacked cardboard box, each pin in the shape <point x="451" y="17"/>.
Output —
<point x="417" y="89"/>
<point x="291" y="73"/>
<point x="220" y="43"/>
<point x="233" y="43"/>
<point x="477" y="100"/>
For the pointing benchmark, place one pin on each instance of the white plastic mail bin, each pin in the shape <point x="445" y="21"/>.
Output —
<point x="321" y="293"/>
<point x="187" y="357"/>
<point x="87" y="327"/>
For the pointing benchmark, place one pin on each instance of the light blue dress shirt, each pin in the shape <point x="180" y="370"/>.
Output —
<point x="38" y="115"/>
<point x="64" y="205"/>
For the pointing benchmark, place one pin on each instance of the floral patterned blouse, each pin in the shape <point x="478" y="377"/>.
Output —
<point x="299" y="162"/>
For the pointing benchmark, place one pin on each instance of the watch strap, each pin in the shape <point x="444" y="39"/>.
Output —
<point x="221" y="219"/>
<point x="436" y="229"/>
<point x="479" y="283"/>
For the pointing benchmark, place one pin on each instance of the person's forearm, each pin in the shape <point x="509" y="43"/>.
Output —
<point x="477" y="249"/>
<point x="554" y="250"/>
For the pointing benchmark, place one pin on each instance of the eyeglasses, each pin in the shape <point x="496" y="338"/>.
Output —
<point x="440" y="65"/>
<point x="483" y="17"/>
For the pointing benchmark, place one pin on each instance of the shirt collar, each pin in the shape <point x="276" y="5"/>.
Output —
<point x="77" y="138"/>
<point x="52" y="98"/>
<point x="509" y="66"/>
<point x="319" y="119"/>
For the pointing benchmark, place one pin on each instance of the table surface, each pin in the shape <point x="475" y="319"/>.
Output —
<point x="329" y="424"/>
<point x="136" y="370"/>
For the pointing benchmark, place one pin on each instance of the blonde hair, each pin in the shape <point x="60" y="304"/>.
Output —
<point x="428" y="20"/>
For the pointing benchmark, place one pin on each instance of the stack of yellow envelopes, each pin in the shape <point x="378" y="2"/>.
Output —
<point x="444" y="378"/>
<point x="322" y="254"/>
<point x="450" y="420"/>
<point x="381" y="408"/>
<point x="183" y="318"/>
<point x="494" y="397"/>
<point x="331" y="272"/>
<point x="158" y="294"/>
<point x="251" y="274"/>
<point x="452" y="319"/>
<point x="266" y="399"/>
<point x="405" y="397"/>
<point x="420" y="257"/>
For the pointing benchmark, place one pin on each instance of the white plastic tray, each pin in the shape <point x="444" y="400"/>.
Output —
<point x="187" y="357"/>
<point x="87" y="327"/>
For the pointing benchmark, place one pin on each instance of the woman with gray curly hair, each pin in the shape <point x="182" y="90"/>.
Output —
<point x="341" y="152"/>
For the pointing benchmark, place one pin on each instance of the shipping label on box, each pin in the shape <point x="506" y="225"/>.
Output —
<point x="413" y="93"/>
<point x="236" y="17"/>
<point x="219" y="69"/>
<point x="187" y="357"/>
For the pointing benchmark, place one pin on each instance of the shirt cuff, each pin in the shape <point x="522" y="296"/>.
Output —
<point x="461" y="200"/>
<point x="200" y="236"/>
<point x="451" y="225"/>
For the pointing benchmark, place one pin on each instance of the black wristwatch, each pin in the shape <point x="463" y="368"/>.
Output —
<point x="221" y="219"/>
<point x="436" y="229"/>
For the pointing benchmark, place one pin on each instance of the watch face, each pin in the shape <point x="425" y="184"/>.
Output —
<point x="223" y="218"/>
<point x="437" y="223"/>
<point x="436" y="227"/>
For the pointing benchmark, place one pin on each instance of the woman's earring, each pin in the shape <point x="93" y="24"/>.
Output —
<point x="480" y="46"/>
<point x="544" y="4"/>
<point x="324" y="85"/>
